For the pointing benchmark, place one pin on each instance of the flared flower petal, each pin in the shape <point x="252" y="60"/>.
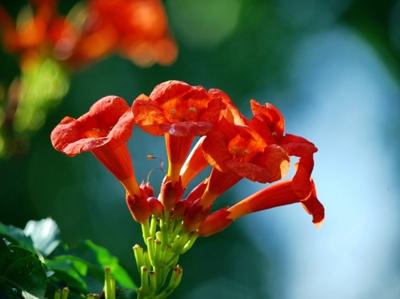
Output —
<point x="177" y="108"/>
<point x="304" y="149"/>
<point x="297" y="146"/>
<point x="109" y="121"/>
<point x="314" y="207"/>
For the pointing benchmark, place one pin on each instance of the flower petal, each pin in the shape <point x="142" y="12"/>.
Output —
<point x="177" y="108"/>
<point x="314" y="207"/>
<point x="231" y="113"/>
<point x="270" y="115"/>
<point x="168" y="90"/>
<point x="189" y="128"/>
<point x="216" y="150"/>
<point x="148" y="115"/>
<point x="269" y="166"/>
<point x="297" y="146"/>
<point x="302" y="178"/>
<point x="109" y="120"/>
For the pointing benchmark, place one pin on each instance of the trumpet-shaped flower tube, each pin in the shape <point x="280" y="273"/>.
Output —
<point x="279" y="194"/>
<point x="103" y="131"/>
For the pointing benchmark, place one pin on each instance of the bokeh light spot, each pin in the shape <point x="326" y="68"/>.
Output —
<point x="204" y="24"/>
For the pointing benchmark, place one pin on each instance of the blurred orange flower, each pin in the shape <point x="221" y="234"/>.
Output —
<point x="137" y="29"/>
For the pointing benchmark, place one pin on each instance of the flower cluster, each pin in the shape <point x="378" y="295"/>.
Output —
<point x="136" y="29"/>
<point x="233" y="146"/>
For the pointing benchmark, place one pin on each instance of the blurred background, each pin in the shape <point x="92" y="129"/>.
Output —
<point x="332" y="67"/>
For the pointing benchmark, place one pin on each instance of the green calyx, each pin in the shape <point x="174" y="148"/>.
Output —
<point x="165" y="240"/>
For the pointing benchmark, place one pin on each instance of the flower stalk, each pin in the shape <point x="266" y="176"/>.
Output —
<point x="109" y="285"/>
<point x="61" y="293"/>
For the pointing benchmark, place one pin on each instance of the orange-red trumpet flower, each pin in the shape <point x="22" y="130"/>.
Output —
<point x="103" y="131"/>
<point x="180" y="112"/>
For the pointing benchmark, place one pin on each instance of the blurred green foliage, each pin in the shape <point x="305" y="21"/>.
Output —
<point x="43" y="86"/>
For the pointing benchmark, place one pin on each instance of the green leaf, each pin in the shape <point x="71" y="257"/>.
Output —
<point x="70" y="270"/>
<point x="26" y="295"/>
<point x="103" y="258"/>
<point x="16" y="236"/>
<point x="44" y="234"/>
<point x="21" y="269"/>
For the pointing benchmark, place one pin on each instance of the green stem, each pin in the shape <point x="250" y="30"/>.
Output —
<point x="138" y="252"/>
<point x="175" y="280"/>
<point x="57" y="294"/>
<point x="109" y="285"/>
<point x="145" y="230"/>
<point x="64" y="293"/>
